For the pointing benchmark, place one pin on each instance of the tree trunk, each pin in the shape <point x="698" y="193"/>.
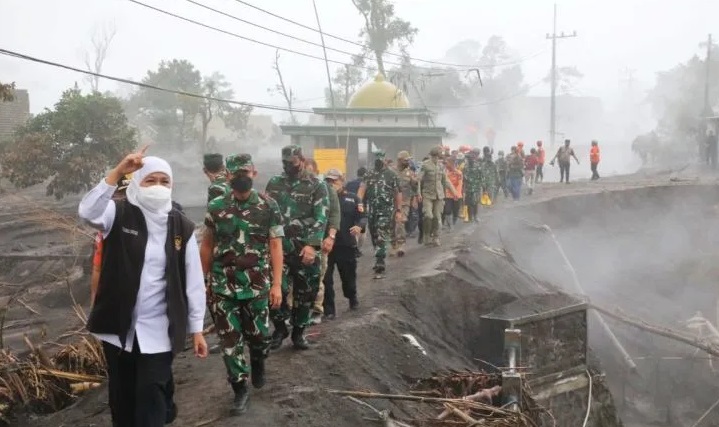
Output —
<point x="380" y="62"/>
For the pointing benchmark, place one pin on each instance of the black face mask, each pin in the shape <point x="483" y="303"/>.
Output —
<point x="291" y="169"/>
<point x="378" y="164"/>
<point x="241" y="184"/>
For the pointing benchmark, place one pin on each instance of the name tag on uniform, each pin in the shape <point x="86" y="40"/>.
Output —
<point x="128" y="231"/>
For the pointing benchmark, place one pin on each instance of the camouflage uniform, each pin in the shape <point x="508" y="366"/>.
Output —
<point x="219" y="186"/>
<point x="472" y="185"/>
<point x="501" y="165"/>
<point x="303" y="202"/>
<point x="240" y="276"/>
<point x="408" y="188"/>
<point x="490" y="176"/>
<point x="382" y="186"/>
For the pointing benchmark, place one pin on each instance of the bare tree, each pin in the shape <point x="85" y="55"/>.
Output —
<point x="282" y="89"/>
<point x="94" y="59"/>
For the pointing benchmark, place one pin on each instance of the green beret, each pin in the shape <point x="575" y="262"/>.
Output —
<point x="238" y="162"/>
<point x="291" y="151"/>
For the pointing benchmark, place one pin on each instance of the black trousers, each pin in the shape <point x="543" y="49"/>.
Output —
<point x="345" y="259"/>
<point x="140" y="387"/>
<point x="564" y="171"/>
<point x="595" y="173"/>
<point x="540" y="173"/>
<point x="451" y="210"/>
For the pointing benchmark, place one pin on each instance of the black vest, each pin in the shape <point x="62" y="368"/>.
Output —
<point x="123" y="256"/>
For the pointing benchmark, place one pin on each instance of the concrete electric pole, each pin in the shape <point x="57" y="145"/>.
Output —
<point x="708" y="112"/>
<point x="553" y="112"/>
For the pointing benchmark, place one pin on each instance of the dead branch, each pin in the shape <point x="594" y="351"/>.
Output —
<point x="702" y="344"/>
<point x="30" y="309"/>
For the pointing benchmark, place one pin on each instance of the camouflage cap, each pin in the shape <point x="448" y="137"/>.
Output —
<point x="289" y="151"/>
<point x="403" y="155"/>
<point x="238" y="162"/>
<point x="379" y="154"/>
<point x="435" y="151"/>
<point x="212" y="161"/>
<point x="333" y="174"/>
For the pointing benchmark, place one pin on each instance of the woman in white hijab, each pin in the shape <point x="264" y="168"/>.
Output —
<point x="151" y="292"/>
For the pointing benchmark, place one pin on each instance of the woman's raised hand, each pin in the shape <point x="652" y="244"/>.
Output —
<point x="130" y="164"/>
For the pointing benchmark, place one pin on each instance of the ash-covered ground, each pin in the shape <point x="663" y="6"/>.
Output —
<point x="611" y="231"/>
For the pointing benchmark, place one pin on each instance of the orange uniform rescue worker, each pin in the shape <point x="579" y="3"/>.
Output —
<point x="594" y="159"/>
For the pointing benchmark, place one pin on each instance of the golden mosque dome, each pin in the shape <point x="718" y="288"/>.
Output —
<point x="378" y="94"/>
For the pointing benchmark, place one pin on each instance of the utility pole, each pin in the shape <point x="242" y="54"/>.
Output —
<point x="553" y="108"/>
<point x="707" y="105"/>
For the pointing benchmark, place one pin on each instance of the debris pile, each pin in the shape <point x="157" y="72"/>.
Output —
<point x="44" y="384"/>
<point x="458" y="399"/>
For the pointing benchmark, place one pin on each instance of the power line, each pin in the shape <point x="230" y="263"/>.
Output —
<point x="244" y="21"/>
<point x="485" y="66"/>
<point x="229" y="33"/>
<point x="364" y="46"/>
<point x="149" y="86"/>
<point x="519" y="93"/>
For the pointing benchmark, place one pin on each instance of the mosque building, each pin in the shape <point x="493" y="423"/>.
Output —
<point x="378" y="114"/>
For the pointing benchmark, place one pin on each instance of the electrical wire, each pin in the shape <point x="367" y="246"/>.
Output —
<point x="244" y="21"/>
<point x="149" y="86"/>
<point x="494" y="101"/>
<point x="364" y="46"/>
<point x="307" y="55"/>
<point x="229" y="33"/>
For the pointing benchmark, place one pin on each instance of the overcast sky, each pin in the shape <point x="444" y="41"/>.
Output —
<point x="644" y="35"/>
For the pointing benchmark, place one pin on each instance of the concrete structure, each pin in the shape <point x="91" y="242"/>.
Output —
<point x="14" y="113"/>
<point x="378" y="113"/>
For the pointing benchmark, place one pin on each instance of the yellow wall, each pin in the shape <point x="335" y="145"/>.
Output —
<point x="331" y="158"/>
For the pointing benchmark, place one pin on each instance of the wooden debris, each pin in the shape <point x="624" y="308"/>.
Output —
<point x="30" y="309"/>
<point x="44" y="383"/>
<point x="460" y="399"/>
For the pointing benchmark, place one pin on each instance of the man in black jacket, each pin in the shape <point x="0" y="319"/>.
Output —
<point x="344" y="252"/>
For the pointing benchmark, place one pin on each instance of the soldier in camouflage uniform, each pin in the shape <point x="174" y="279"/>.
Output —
<point x="380" y="190"/>
<point x="473" y="184"/>
<point x="215" y="171"/>
<point x="408" y="188"/>
<point x="242" y="255"/>
<point x="490" y="176"/>
<point x="304" y="203"/>
<point x="501" y="164"/>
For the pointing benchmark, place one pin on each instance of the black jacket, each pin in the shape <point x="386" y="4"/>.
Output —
<point x="351" y="216"/>
<point x="123" y="256"/>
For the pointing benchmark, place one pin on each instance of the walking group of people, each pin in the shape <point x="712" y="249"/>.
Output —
<point x="265" y="265"/>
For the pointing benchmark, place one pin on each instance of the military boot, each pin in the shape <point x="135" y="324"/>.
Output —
<point x="257" y="363"/>
<point x="242" y="397"/>
<point x="299" y="341"/>
<point x="279" y="335"/>
<point x="426" y="232"/>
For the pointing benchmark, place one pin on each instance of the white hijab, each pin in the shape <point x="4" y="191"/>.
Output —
<point x="151" y="164"/>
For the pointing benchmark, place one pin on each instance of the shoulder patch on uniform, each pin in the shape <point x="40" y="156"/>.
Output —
<point x="178" y="242"/>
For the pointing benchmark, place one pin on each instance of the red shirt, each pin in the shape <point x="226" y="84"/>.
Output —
<point x="531" y="162"/>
